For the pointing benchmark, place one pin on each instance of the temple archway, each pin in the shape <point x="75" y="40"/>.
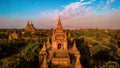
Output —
<point x="59" y="46"/>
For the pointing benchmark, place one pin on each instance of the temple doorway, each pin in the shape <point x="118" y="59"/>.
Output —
<point x="59" y="46"/>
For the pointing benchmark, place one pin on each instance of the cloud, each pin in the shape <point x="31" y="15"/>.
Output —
<point x="110" y="1"/>
<point x="78" y="15"/>
<point x="81" y="0"/>
<point x="85" y="3"/>
<point x="108" y="20"/>
<point x="74" y="15"/>
<point x="73" y="9"/>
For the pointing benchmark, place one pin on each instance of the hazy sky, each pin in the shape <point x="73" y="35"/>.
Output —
<point x="73" y="13"/>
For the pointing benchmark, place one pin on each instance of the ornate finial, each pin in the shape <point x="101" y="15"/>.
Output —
<point x="28" y="23"/>
<point x="74" y="46"/>
<point x="43" y="50"/>
<point x="44" y="47"/>
<point x="48" y="42"/>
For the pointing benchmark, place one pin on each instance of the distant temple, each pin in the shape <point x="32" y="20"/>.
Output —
<point x="14" y="35"/>
<point x="106" y="31"/>
<point x="58" y="54"/>
<point x="30" y="27"/>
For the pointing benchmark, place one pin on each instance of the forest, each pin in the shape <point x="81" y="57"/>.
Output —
<point x="99" y="48"/>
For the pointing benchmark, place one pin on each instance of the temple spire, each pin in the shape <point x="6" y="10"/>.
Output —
<point x="59" y="25"/>
<point x="74" y="46"/>
<point x="43" y="50"/>
<point x="44" y="47"/>
<point x="48" y="43"/>
<point x="28" y="23"/>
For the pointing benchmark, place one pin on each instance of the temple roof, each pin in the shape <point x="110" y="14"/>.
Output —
<point x="29" y="26"/>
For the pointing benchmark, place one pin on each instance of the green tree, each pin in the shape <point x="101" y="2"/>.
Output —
<point x="111" y="64"/>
